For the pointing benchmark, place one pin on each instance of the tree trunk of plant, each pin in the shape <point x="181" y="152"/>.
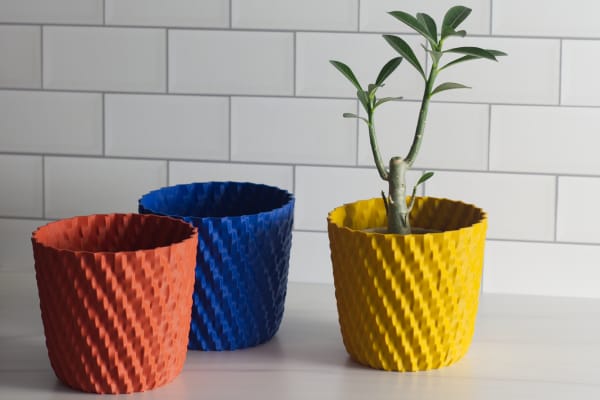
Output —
<point x="398" y="221"/>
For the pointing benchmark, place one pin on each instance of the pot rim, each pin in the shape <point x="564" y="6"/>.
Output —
<point x="191" y="235"/>
<point x="481" y="220"/>
<point x="287" y="203"/>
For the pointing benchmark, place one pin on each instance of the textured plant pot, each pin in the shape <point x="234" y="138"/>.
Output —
<point x="244" y="240"/>
<point x="115" y="296"/>
<point x="407" y="302"/>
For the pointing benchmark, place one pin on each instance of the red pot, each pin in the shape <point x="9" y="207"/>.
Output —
<point x="115" y="295"/>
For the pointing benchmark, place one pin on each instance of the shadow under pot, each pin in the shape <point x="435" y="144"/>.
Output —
<point x="115" y="293"/>
<point x="244" y="241"/>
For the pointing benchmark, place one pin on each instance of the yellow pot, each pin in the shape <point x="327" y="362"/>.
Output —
<point x="407" y="302"/>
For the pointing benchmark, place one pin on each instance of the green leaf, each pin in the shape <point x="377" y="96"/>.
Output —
<point x="453" y="18"/>
<point x="363" y="97"/>
<point x="473" y="51"/>
<point x="497" y="53"/>
<point x="429" y="24"/>
<point x="351" y="115"/>
<point x="372" y="88"/>
<point x="424" y="177"/>
<point x="415" y="24"/>
<point x="386" y="99"/>
<point x="448" y="86"/>
<point x="405" y="51"/>
<point x="387" y="70"/>
<point x="435" y="55"/>
<point x="347" y="72"/>
<point x="459" y="60"/>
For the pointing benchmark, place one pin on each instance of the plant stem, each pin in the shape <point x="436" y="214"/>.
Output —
<point x="398" y="221"/>
<point x="420" y="129"/>
<point x="383" y="173"/>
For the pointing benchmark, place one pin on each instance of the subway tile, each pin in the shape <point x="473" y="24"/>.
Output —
<point x="167" y="126"/>
<point x="578" y="213"/>
<point x="20" y="186"/>
<point x="518" y="206"/>
<point x="310" y="258"/>
<point x="274" y="175"/>
<point x="545" y="139"/>
<point x="573" y="18"/>
<point x="374" y="14"/>
<point x="516" y="78"/>
<point x="290" y="130"/>
<point x="456" y="135"/>
<point x="20" y="60"/>
<point x="16" y="253"/>
<point x="52" y="12"/>
<point x="189" y="13"/>
<point x="81" y="186"/>
<point x="51" y="122"/>
<point x="546" y="269"/>
<point x="321" y="189"/>
<point x="580" y="84"/>
<point x="291" y="14"/>
<point x="364" y="53"/>
<point x="112" y="59"/>
<point x="228" y="62"/>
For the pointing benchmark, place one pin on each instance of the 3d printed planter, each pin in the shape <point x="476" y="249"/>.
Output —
<point x="115" y="296"/>
<point x="407" y="302"/>
<point x="244" y="240"/>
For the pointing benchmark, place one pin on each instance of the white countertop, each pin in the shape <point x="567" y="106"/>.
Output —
<point x="525" y="347"/>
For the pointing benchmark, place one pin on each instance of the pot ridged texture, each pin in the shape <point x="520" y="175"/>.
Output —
<point x="115" y="298"/>
<point x="244" y="242"/>
<point x="407" y="302"/>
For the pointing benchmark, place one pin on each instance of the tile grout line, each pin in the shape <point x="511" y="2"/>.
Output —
<point x="230" y="14"/>
<point x="294" y="61"/>
<point x="556" y="183"/>
<point x="43" y="187"/>
<point x="357" y="133"/>
<point x="103" y="12"/>
<point x="491" y="17"/>
<point x="41" y="57"/>
<point x="103" y="127"/>
<point x="560" y="72"/>
<point x="168" y="172"/>
<point x="358" y="17"/>
<point x="167" y="83"/>
<point x="230" y="130"/>
<point x="294" y="179"/>
<point x="489" y="137"/>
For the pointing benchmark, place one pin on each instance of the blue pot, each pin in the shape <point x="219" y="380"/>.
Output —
<point x="244" y="241"/>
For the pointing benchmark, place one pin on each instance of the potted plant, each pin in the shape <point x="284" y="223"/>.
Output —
<point x="407" y="298"/>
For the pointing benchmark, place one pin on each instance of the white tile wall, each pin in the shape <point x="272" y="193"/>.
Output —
<point x="288" y="130"/>
<point x="192" y="13"/>
<point x="547" y="269"/>
<point x="224" y="62"/>
<point x="52" y="12"/>
<point x="291" y="14"/>
<point x="21" y="182"/>
<point x="20" y="64"/>
<point x="274" y="175"/>
<point x="108" y="99"/>
<point x="546" y="18"/>
<point x="310" y="258"/>
<point x="374" y="14"/>
<point x="81" y="186"/>
<point x="321" y="189"/>
<point x="578" y="211"/>
<point x="518" y="206"/>
<point x="15" y="244"/>
<point x="51" y="122"/>
<point x="580" y="82"/>
<point x="112" y="59"/>
<point x="530" y="73"/>
<point x="364" y="53"/>
<point x="456" y="135"/>
<point x="167" y="126"/>
<point x="545" y="139"/>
